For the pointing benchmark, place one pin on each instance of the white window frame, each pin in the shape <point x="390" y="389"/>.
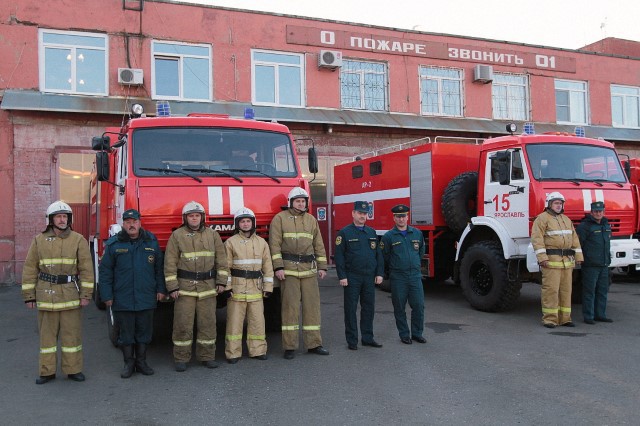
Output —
<point x="180" y="57"/>
<point x="572" y="93"/>
<point x="626" y="97"/>
<point x="510" y="86"/>
<point x="362" y="73"/>
<point x="42" y="72"/>
<point x="276" y="66"/>
<point x="439" y="80"/>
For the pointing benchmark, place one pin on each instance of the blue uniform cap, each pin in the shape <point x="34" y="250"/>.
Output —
<point x="597" y="206"/>
<point x="131" y="214"/>
<point x="361" y="206"/>
<point x="400" y="210"/>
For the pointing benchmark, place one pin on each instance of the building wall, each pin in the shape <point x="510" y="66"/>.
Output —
<point x="31" y="136"/>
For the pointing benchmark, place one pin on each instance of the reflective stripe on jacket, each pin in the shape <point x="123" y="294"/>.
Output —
<point x="555" y="231"/>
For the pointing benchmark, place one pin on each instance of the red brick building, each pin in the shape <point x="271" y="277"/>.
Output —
<point x="68" y="72"/>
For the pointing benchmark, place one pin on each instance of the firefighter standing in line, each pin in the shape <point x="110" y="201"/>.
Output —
<point x="251" y="279"/>
<point x="595" y="239"/>
<point x="557" y="249"/>
<point x="57" y="279"/>
<point x="298" y="255"/>
<point x="131" y="282"/>
<point x="360" y="268"/>
<point x="403" y="249"/>
<point x="195" y="271"/>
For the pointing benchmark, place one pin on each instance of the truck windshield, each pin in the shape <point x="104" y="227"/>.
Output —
<point x="562" y="161"/>
<point x="200" y="150"/>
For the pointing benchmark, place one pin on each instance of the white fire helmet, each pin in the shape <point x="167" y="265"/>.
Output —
<point x="298" y="193"/>
<point x="242" y="213"/>
<point x="58" y="207"/>
<point x="193" y="207"/>
<point x="554" y="196"/>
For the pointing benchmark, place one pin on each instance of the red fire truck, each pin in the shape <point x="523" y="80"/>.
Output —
<point x="475" y="202"/>
<point x="158" y="164"/>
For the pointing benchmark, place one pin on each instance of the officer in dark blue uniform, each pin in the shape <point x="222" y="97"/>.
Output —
<point x="131" y="283"/>
<point x="403" y="248"/>
<point x="595" y="239"/>
<point x="359" y="265"/>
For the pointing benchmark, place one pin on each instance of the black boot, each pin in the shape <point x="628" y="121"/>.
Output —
<point x="129" y="361"/>
<point x="141" y="360"/>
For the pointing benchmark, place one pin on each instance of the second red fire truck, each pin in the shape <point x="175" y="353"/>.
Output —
<point x="475" y="202"/>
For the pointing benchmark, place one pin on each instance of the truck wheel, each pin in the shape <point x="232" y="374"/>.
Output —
<point x="483" y="278"/>
<point x="459" y="201"/>
<point x="112" y="328"/>
<point x="273" y="311"/>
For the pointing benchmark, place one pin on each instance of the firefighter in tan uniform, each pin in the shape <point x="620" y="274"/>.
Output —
<point x="299" y="258"/>
<point x="250" y="280"/>
<point x="557" y="249"/>
<point x="57" y="280"/>
<point x="195" y="271"/>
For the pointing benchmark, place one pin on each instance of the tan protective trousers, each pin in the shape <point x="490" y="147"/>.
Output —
<point x="68" y="326"/>
<point x="556" y="295"/>
<point x="256" y="336"/>
<point x="294" y="291"/>
<point x="186" y="309"/>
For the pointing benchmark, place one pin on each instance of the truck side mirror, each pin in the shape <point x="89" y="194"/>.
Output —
<point x="101" y="143"/>
<point x="102" y="166"/>
<point x="313" y="160"/>
<point x="627" y="169"/>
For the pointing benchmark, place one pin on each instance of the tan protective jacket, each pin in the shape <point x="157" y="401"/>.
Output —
<point x="66" y="254"/>
<point x="555" y="231"/>
<point x="249" y="254"/>
<point x="195" y="251"/>
<point x="298" y="234"/>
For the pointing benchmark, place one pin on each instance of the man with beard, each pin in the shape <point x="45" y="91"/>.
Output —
<point x="131" y="282"/>
<point x="57" y="279"/>
<point x="195" y="271"/>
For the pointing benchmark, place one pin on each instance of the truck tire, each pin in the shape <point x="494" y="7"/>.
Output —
<point x="273" y="311"/>
<point x="459" y="201"/>
<point x="112" y="328"/>
<point x="483" y="278"/>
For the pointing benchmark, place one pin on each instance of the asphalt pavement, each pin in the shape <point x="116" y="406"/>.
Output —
<point x="477" y="368"/>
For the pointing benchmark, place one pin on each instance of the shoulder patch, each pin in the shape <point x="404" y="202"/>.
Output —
<point x="338" y="240"/>
<point x="381" y="244"/>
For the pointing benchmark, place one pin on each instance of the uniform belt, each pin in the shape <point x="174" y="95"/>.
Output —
<point x="299" y="257"/>
<point x="57" y="279"/>
<point x="243" y="273"/>
<point x="561" y="252"/>
<point x="197" y="276"/>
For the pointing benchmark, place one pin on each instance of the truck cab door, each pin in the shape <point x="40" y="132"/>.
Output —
<point x="506" y="191"/>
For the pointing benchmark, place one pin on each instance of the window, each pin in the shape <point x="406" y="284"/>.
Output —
<point x="181" y="71"/>
<point x="73" y="62"/>
<point x="277" y="78"/>
<point x="510" y="95"/>
<point x="625" y="106"/>
<point x="375" y="168"/>
<point x="357" y="172"/>
<point x="571" y="102"/>
<point x="363" y="85"/>
<point x="441" y="91"/>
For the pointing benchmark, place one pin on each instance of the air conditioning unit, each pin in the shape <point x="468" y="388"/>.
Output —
<point x="130" y="76"/>
<point x="330" y="59"/>
<point x="483" y="74"/>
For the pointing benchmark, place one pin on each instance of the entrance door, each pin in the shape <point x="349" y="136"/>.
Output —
<point x="73" y="173"/>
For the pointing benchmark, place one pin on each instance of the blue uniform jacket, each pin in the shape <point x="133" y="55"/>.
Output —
<point x="358" y="252"/>
<point x="403" y="254"/>
<point x="595" y="240"/>
<point x="131" y="272"/>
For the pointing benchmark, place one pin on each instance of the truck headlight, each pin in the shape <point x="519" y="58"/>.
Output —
<point x="636" y="253"/>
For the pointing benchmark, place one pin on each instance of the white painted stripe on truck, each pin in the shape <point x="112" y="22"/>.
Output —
<point x="236" y="198"/>
<point x="387" y="194"/>
<point x="215" y="200"/>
